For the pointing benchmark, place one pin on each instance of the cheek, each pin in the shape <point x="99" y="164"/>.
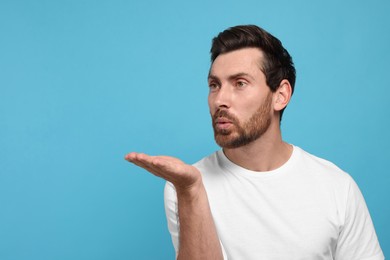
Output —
<point x="247" y="110"/>
<point x="210" y="103"/>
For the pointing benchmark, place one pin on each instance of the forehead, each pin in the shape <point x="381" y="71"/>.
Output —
<point x="247" y="60"/>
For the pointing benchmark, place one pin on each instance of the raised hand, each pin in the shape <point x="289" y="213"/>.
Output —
<point x="180" y="174"/>
<point x="198" y="235"/>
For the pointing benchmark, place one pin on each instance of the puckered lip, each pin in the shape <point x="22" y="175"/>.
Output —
<point x="222" y="120"/>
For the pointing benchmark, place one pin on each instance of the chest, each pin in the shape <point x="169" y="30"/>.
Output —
<point x="275" y="220"/>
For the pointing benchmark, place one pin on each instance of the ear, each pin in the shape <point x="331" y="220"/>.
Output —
<point x="282" y="95"/>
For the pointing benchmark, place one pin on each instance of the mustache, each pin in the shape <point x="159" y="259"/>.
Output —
<point x="225" y="114"/>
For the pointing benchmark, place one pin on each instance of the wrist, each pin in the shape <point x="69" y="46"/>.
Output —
<point x="190" y="192"/>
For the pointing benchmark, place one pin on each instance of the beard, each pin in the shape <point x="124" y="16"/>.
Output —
<point x="240" y="134"/>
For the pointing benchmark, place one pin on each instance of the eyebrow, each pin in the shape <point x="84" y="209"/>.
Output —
<point x="212" y="77"/>
<point x="231" y="77"/>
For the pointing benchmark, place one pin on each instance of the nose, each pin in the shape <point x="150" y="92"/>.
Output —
<point x="221" y="98"/>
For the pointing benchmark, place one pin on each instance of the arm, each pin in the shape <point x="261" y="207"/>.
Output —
<point x="198" y="236"/>
<point x="357" y="238"/>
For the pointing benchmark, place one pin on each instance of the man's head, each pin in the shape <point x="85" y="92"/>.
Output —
<point x="250" y="73"/>
<point x="277" y="63"/>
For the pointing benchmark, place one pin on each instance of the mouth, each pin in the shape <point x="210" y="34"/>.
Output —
<point x="223" y="123"/>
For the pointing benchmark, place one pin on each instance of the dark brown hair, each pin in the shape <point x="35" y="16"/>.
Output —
<point x="277" y="64"/>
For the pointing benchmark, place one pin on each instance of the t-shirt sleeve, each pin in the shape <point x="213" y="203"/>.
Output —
<point x="170" y="203"/>
<point x="171" y="211"/>
<point x="357" y="239"/>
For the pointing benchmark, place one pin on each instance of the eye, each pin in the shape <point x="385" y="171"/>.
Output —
<point x="213" y="86"/>
<point x="241" y="83"/>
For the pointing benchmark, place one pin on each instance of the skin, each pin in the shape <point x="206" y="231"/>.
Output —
<point x="198" y="236"/>
<point x="237" y="86"/>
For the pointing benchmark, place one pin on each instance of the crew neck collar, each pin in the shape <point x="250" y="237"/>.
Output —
<point x="238" y="170"/>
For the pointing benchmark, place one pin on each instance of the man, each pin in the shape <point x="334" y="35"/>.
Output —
<point x="259" y="197"/>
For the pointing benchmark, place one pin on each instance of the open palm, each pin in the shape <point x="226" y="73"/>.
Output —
<point x="180" y="174"/>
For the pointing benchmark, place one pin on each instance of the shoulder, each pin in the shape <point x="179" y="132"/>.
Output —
<point x="320" y="167"/>
<point x="323" y="174"/>
<point x="208" y="164"/>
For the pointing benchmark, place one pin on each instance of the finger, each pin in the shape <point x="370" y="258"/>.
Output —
<point x="161" y="164"/>
<point x="142" y="163"/>
<point x="170" y="159"/>
<point x="172" y="164"/>
<point x="134" y="157"/>
<point x="157" y="166"/>
<point x="168" y="168"/>
<point x="139" y="163"/>
<point x="130" y="156"/>
<point x="146" y="162"/>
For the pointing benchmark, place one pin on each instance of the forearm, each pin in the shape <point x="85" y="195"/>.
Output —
<point x="198" y="235"/>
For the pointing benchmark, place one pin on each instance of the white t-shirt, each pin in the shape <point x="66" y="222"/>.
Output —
<point x="306" y="209"/>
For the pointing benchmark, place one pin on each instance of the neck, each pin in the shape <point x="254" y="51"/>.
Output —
<point x="267" y="153"/>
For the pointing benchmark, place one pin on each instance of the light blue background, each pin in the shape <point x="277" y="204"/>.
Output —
<point x="84" y="82"/>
